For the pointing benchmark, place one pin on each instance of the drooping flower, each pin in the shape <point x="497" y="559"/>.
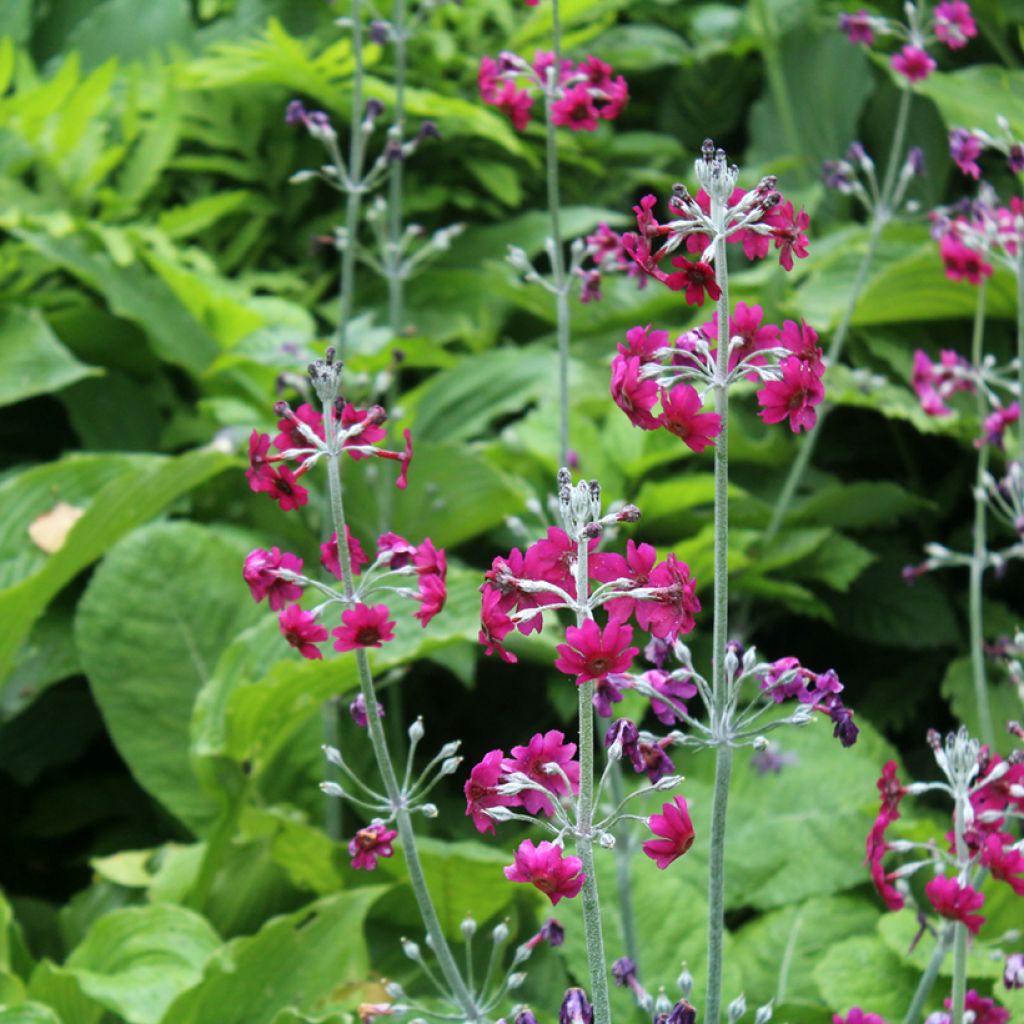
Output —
<point x="672" y="611"/>
<point x="653" y="761"/>
<point x="956" y="901"/>
<point x="857" y="27"/>
<point x="576" y="1008"/>
<point x="329" y="556"/>
<point x="546" y="867"/>
<point x="262" y="574"/>
<point x="858" y="1016"/>
<point x="696" y="277"/>
<point x="789" y="230"/>
<point x="370" y="843"/>
<point x="954" y="24"/>
<point x="961" y="262"/>
<point x="495" y="625"/>
<point x="363" y="626"/>
<point x="481" y="790"/>
<point x="432" y="594"/>
<point x="674" y="827"/>
<point x="624" y="736"/>
<point x="591" y="653"/>
<point x="793" y="397"/>
<point x="545" y="749"/>
<point x="357" y="709"/>
<point x="1004" y="861"/>
<point x="965" y="148"/>
<point x="635" y="396"/>
<point x="985" y="1011"/>
<point x="302" y="631"/>
<point x="681" y="416"/>
<point x="996" y="424"/>
<point x="676" y="687"/>
<point x="912" y="63"/>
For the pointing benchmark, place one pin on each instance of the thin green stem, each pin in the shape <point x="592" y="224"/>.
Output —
<point x="623" y="856"/>
<point x="332" y="805"/>
<point x="355" y="185"/>
<point x="980" y="553"/>
<point x="931" y="972"/>
<point x="1020" y="348"/>
<point x="880" y="216"/>
<point x="594" y="937"/>
<point x="396" y="286"/>
<point x="960" y="929"/>
<point x="558" y="268"/>
<point x="720" y="630"/>
<point x="457" y="986"/>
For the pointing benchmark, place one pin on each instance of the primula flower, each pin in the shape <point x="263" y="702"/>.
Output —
<point x="857" y="27"/>
<point x="672" y="612"/>
<point x="654" y="762"/>
<point x="789" y="229"/>
<point x="553" y="559"/>
<point x="961" y="262"/>
<point x="624" y="734"/>
<point x="302" y="631"/>
<point x="1005" y="862"/>
<point x="997" y="796"/>
<point x="330" y="560"/>
<point x="643" y="342"/>
<point x="996" y="424"/>
<point x="857" y="1016"/>
<point x="954" y="24"/>
<point x="591" y="653"/>
<point x="633" y="395"/>
<point x="260" y="572"/>
<point x="515" y="104"/>
<point x="965" y="148"/>
<point x="955" y="901"/>
<point x="696" y="277"/>
<point x="363" y="626"/>
<point x="745" y="323"/>
<point x="432" y="594"/>
<point x="546" y="867"/>
<point x="544" y="749"/>
<point x="291" y="435"/>
<point x="429" y="560"/>
<point x="676" y="831"/>
<point x="1013" y="971"/>
<point x="912" y="63"/>
<point x="986" y="1011"/>
<point x="607" y="693"/>
<point x="793" y="397"/>
<point x="935" y="382"/>
<point x="681" y="416"/>
<point x="481" y="790"/>
<point x="370" y="843"/>
<point x="635" y="567"/>
<point x="575" y="110"/>
<point x="802" y="340"/>
<point x="357" y="709"/>
<point x="673" y="686"/>
<point x="369" y="433"/>
<point x="495" y="625"/>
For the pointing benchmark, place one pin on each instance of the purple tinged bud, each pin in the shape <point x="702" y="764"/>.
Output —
<point x="380" y="32"/>
<point x="682" y="1013"/>
<point x="623" y="971"/>
<point x="628" y="514"/>
<point x="653" y="760"/>
<point x="915" y="160"/>
<point x="1013" y="972"/>
<point x="295" y="113"/>
<point x="736" y="648"/>
<point x="842" y="717"/>
<point x="525" y="1016"/>
<point x="357" y="709"/>
<point x="1015" y="157"/>
<point x="553" y="931"/>
<point x="657" y="651"/>
<point x="624" y="734"/>
<point x="836" y="174"/>
<point x="427" y="130"/>
<point x="393" y="151"/>
<point x="857" y="154"/>
<point x="576" y="1008"/>
<point x="374" y="108"/>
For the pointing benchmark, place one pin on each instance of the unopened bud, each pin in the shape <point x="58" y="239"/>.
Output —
<point x="500" y="933"/>
<point x="394" y="990"/>
<point x="468" y="927"/>
<point x="429" y="810"/>
<point x="764" y="1014"/>
<point x="332" y="789"/>
<point x="516" y="979"/>
<point x="668" y="782"/>
<point x="416" y="731"/>
<point x="737" y="1008"/>
<point x="628" y="514"/>
<point x="685" y="982"/>
<point x="411" y="950"/>
<point x="606" y="841"/>
<point x="450" y="765"/>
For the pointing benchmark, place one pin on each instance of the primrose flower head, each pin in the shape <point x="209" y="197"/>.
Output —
<point x="546" y="867"/>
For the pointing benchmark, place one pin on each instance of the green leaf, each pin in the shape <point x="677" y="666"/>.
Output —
<point x="862" y="972"/>
<point x="778" y="950"/>
<point x="28" y="1013"/>
<point x="59" y="989"/>
<point x="46" y="657"/>
<point x="137" y="960"/>
<point x="641" y="48"/>
<point x="837" y="562"/>
<point x="32" y="360"/>
<point x="121" y="504"/>
<point x="314" y="959"/>
<point x="901" y="930"/>
<point x="155" y="618"/>
<point x="860" y="504"/>
<point x="1004" y="701"/>
<point x="120" y="28"/>
<point x="973" y="97"/>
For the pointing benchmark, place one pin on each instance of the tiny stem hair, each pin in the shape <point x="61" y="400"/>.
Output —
<point x="396" y="285"/>
<point x="720" y="697"/>
<point x="959" y="993"/>
<point x="1020" y="346"/>
<point x="453" y="976"/>
<point x="881" y="214"/>
<point x="979" y="556"/>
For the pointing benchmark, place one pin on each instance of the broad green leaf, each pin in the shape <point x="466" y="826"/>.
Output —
<point x="778" y="950"/>
<point x="638" y="47"/>
<point x="28" y="1013"/>
<point x="313" y="959"/>
<point x="902" y="930"/>
<point x="836" y="562"/>
<point x="60" y="990"/>
<point x="46" y="657"/>
<point x="1004" y="701"/>
<point x="862" y="972"/>
<point x="972" y="97"/>
<point x="122" y="503"/>
<point x="310" y="858"/>
<point x="854" y="506"/>
<point x="137" y="960"/>
<point x="120" y="28"/>
<point x="156" y="616"/>
<point x="32" y="359"/>
<point x="190" y="219"/>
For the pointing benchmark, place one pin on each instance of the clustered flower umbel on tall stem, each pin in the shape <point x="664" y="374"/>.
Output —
<point x="578" y="97"/>
<point x="950" y="24"/>
<point x="399" y="257"/>
<point x="969" y="238"/>
<point x="988" y="800"/>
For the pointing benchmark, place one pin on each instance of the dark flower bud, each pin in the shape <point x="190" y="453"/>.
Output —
<point x="628" y="514"/>
<point x="624" y="969"/>
<point x="427" y="130"/>
<point x="374" y="108"/>
<point x="576" y="1008"/>
<point x="682" y="1013"/>
<point x="380" y="32"/>
<point x="553" y="932"/>
<point x="525" y="1016"/>
<point x="295" y="113"/>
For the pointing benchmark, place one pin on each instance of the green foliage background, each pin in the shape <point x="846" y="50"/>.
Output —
<point x="163" y="860"/>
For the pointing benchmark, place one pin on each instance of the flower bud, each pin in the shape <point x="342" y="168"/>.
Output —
<point x="684" y="1013"/>
<point x="416" y="731"/>
<point x="737" y="1008"/>
<point x="429" y="810"/>
<point x="468" y="927"/>
<point x="450" y="765"/>
<point x="516" y="980"/>
<point x="500" y="933"/>
<point x="331" y="789"/>
<point x="576" y="1008"/>
<point x="411" y="950"/>
<point x="764" y="1014"/>
<point x="685" y="982"/>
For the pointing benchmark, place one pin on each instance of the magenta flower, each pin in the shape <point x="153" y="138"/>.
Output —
<point x="428" y="559"/>
<point x="291" y="436"/>
<point x="260" y="473"/>
<point x="515" y="104"/>
<point x="591" y="653"/>
<point x="633" y="395"/>
<point x="955" y="901"/>
<point x="965" y="147"/>
<point x="954" y="24"/>
<point x="545" y="749"/>
<point x="260" y="572"/>
<point x="282" y="485"/>
<point x="912" y="63"/>
<point x="503" y="576"/>
<point x="857" y="1016"/>
<point x="935" y="382"/>
<point x="396" y="551"/>
<point x="302" y="631"/>
<point x="696" y="277"/>
<point x="793" y="397"/>
<point x="606" y="566"/>
<point x="357" y="709"/>
<point x="546" y="867"/>
<point x="553" y="559"/>
<point x="676" y="831"/>
<point x="370" y="429"/>
<point x="481" y="790"/>
<point x="996" y="424"/>
<point x="331" y="561"/>
<point x="672" y="612"/>
<point x="962" y="263"/>
<point x="802" y="340"/>
<point x="789" y="229"/>
<point x="363" y="626"/>
<point x="1005" y="863"/>
<point x="857" y="27"/>
<point x="677" y="688"/>
<point x="575" y="110"/>
<point x="653" y="760"/>
<point x="986" y="1011"/>
<point x="745" y="323"/>
<point x="431" y="596"/>
<point x="370" y="843"/>
<point x="681" y="415"/>
<point x="495" y="625"/>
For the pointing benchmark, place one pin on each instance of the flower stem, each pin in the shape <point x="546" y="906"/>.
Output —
<point x="593" y="935"/>
<point x="1020" y="348"/>
<point x="720" y="698"/>
<point x="458" y="990"/>
<point x="980" y="554"/>
<point x="931" y="972"/>
<point x="396" y="286"/>
<point x="355" y="186"/>
<point x="623" y="856"/>
<point x="959" y="928"/>
<point x="558" y="269"/>
<point x="881" y="215"/>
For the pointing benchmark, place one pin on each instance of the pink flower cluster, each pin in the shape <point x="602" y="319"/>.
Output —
<point x="300" y="440"/>
<point x="661" y="595"/>
<point x="546" y="867"/>
<point x="583" y="96"/>
<point x="755" y="220"/>
<point x="952" y="25"/>
<point x="605" y="250"/>
<point x="787" y="679"/>
<point x="936" y="383"/>
<point x="965" y="147"/>
<point x="272" y="575"/>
